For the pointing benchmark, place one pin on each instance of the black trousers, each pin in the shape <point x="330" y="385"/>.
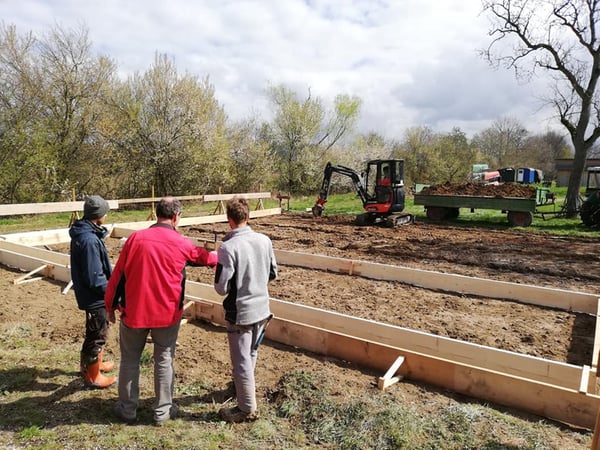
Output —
<point x="96" y="330"/>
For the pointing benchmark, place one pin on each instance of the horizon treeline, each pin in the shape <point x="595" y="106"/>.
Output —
<point x="69" y="127"/>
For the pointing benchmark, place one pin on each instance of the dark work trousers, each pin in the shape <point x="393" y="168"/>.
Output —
<point x="96" y="330"/>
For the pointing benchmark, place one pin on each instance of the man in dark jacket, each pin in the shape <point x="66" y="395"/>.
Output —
<point x="90" y="271"/>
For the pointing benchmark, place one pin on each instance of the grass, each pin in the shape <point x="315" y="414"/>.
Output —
<point x="46" y="409"/>
<point x="338" y="204"/>
<point x="350" y="204"/>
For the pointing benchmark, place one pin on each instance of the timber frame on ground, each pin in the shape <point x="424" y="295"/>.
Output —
<point x="555" y="390"/>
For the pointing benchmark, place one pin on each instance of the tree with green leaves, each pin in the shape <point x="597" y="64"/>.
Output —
<point x="559" y="38"/>
<point x="51" y="97"/>
<point x="176" y="131"/>
<point x="502" y="143"/>
<point x="303" y="133"/>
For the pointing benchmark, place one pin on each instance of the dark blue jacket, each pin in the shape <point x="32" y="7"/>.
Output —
<point x="90" y="265"/>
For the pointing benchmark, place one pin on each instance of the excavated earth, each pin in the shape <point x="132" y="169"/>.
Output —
<point x="496" y="254"/>
<point x="503" y="190"/>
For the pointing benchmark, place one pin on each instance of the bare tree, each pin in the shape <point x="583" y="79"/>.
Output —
<point x="559" y="37"/>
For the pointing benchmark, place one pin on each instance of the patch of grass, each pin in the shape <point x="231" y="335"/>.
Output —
<point x="378" y="421"/>
<point x="147" y="358"/>
<point x="351" y="205"/>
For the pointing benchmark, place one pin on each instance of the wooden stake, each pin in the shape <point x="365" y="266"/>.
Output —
<point x="23" y="279"/>
<point x="67" y="288"/>
<point x="388" y="379"/>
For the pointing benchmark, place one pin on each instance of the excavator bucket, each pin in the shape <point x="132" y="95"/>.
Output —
<point x="317" y="210"/>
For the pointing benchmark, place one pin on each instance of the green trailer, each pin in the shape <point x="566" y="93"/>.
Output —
<point x="519" y="209"/>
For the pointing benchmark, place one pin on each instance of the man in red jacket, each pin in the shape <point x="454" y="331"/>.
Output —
<point x="147" y="287"/>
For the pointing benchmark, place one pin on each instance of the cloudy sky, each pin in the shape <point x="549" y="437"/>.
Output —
<point x="412" y="62"/>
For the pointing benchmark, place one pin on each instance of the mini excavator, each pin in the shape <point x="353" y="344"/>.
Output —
<point x="380" y="187"/>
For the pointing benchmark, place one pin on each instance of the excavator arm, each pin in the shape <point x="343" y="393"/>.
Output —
<point x="330" y="169"/>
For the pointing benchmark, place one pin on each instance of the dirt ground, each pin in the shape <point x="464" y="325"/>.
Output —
<point x="507" y="255"/>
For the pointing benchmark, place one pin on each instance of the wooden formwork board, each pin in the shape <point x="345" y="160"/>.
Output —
<point x="51" y="207"/>
<point x="125" y="229"/>
<point x="535" y="295"/>
<point x="38" y="238"/>
<point x="516" y="364"/>
<point x="543" y="399"/>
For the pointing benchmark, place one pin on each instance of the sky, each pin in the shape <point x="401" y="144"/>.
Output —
<point x="411" y="62"/>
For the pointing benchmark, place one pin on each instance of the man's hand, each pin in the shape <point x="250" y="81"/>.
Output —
<point x="111" y="317"/>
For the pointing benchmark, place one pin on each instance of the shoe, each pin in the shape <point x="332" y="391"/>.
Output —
<point x="119" y="414"/>
<point x="92" y="376"/>
<point x="172" y="415"/>
<point x="106" y="366"/>
<point x="236" y="415"/>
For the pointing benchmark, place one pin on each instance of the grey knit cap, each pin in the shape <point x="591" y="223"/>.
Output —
<point x="94" y="207"/>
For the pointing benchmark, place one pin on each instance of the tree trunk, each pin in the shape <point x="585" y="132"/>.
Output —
<point x="572" y="200"/>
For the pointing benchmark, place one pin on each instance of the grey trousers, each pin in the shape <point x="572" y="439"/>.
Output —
<point x="132" y="342"/>
<point x="244" y="351"/>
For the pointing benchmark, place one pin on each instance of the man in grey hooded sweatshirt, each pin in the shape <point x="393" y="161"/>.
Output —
<point x="246" y="264"/>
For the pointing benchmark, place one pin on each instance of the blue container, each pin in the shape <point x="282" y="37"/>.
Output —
<point x="525" y="175"/>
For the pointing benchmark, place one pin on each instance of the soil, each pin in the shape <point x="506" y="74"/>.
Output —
<point x="499" y="190"/>
<point x="507" y="255"/>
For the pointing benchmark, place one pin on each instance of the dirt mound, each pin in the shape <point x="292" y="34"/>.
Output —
<point x="481" y="190"/>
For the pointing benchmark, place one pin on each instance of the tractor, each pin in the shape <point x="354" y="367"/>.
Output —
<point x="590" y="208"/>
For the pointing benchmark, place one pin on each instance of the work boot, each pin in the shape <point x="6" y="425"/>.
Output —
<point x="236" y="415"/>
<point x="92" y="375"/>
<point x="105" y="366"/>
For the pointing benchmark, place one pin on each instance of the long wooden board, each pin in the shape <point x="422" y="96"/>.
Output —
<point x="516" y="364"/>
<point x="51" y="207"/>
<point x="535" y="295"/>
<point x="543" y="399"/>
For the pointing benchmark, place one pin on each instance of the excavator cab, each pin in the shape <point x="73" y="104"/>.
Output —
<point x="385" y="186"/>
<point x="380" y="187"/>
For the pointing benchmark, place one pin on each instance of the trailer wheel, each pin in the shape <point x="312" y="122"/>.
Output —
<point x="520" y="218"/>
<point x="437" y="213"/>
<point x="452" y="213"/>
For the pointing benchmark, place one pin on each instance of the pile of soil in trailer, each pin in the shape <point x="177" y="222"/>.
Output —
<point x="502" y="190"/>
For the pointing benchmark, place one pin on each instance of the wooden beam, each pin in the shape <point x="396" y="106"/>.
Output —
<point x="23" y="279"/>
<point x="42" y="208"/>
<point x="596" y="350"/>
<point x="534" y="295"/>
<point x="546" y="400"/>
<point x="225" y="197"/>
<point x="37" y="238"/>
<point x="388" y="379"/>
<point x="552" y="372"/>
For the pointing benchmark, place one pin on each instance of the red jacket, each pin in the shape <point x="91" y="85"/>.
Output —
<point x="148" y="282"/>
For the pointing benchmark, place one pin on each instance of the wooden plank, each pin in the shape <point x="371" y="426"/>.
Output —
<point x="50" y="207"/>
<point x="553" y="372"/>
<point x="546" y="400"/>
<point x="585" y="379"/>
<point x="24" y="262"/>
<point x="534" y="295"/>
<point x="125" y="229"/>
<point x="23" y="278"/>
<point x="225" y="197"/>
<point x="56" y="258"/>
<point x="129" y="201"/>
<point x="388" y="379"/>
<point x="596" y="350"/>
<point x="34" y="238"/>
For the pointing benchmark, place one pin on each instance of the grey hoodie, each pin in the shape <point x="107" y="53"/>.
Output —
<point x="246" y="264"/>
